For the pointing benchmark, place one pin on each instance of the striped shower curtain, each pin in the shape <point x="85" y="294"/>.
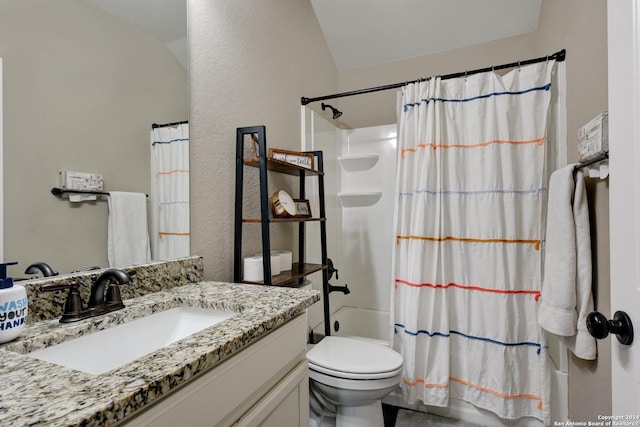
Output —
<point x="470" y="209"/>
<point x="170" y="192"/>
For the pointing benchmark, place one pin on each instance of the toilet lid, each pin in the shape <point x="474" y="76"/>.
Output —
<point x="354" y="356"/>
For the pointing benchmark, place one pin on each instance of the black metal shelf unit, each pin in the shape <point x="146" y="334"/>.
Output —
<point x="257" y="135"/>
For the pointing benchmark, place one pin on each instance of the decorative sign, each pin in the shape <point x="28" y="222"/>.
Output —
<point x="297" y="158"/>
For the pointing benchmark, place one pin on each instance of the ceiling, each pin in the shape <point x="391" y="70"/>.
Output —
<point x="165" y="20"/>
<point x="360" y="33"/>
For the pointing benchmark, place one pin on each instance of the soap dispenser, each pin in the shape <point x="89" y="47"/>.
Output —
<point x="13" y="306"/>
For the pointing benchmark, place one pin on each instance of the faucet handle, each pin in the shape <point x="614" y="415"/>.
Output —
<point x="113" y="297"/>
<point x="50" y="287"/>
<point x="73" y="305"/>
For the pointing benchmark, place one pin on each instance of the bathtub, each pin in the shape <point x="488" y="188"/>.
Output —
<point x="374" y="325"/>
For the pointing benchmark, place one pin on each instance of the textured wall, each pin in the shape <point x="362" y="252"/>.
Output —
<point x="251" y="62"/>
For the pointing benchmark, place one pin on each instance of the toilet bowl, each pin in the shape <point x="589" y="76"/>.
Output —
<point x="354" y="376"/>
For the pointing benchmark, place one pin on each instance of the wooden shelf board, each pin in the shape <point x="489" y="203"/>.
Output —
<point x="276" y="220"/>
<point x="289" y="276"/>
<point x="282" y="167"/>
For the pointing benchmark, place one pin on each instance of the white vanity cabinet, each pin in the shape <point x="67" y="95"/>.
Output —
<point x="265" y="384"/>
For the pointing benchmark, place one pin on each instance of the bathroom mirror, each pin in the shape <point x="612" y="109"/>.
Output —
<point x="83" y="82"/>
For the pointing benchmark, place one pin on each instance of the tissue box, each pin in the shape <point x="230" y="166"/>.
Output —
<point x="82" y="181"/>
<point x="593" y="138"/>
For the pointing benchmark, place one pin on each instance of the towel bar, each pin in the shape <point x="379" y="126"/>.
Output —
<point x="600" y="158"/>
<point x="59" y="192"/>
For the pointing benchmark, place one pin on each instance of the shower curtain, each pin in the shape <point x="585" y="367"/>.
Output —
<point x="170" y="192"/>
<point x="469" y="214"/>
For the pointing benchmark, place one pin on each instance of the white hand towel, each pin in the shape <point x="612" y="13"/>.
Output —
<point x="566" y="296"/>
<point x="128" y="237"/>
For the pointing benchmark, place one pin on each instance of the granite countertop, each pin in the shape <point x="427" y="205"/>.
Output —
<point x="35" y="392"/>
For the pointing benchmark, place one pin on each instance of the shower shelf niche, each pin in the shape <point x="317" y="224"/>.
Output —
<point x="358" y="162"/>
<point x="354" y="200"/>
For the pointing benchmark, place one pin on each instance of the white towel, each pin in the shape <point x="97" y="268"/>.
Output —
<point x="566" y="296"/>
<point x="128" y="237"/>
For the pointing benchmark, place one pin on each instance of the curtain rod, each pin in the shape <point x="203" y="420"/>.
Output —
<point x="558" y="56"/>
<point x="155" y="125"/>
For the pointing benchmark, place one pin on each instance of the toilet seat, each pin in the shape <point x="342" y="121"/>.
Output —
<point x="353" y="376"/>
<point x="355" y="384"/>
<point x="348" y="358"/>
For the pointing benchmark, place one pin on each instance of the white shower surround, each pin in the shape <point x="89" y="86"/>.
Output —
<point x="357" y="245"/>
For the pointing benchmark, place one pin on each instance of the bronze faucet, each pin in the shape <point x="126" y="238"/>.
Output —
<point x="98" y="304"/>
<point x="41" y="267"/>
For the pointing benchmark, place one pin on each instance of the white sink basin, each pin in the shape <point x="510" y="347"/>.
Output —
<point x="102" y="351"/>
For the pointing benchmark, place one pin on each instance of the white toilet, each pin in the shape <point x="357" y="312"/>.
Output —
<point x="354" y="375"/>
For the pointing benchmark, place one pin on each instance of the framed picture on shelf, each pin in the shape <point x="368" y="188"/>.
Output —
<point x="303" y="208"/>
<point x="296" y="158"/>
